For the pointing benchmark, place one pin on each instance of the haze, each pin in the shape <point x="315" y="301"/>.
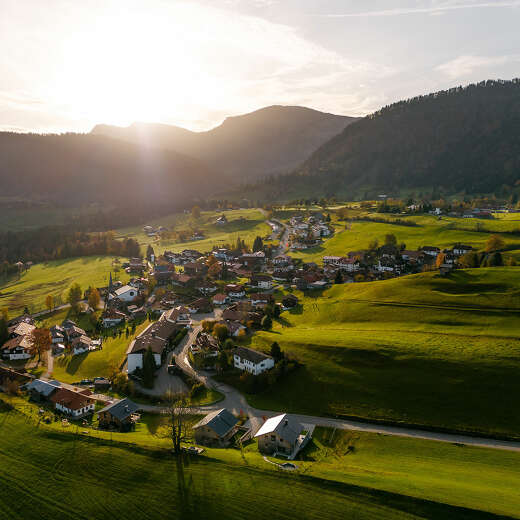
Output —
<point x="66" y="66"/>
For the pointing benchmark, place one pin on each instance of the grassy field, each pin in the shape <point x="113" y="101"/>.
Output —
<point x="60" y="473"/>
<point x="244" y="223"/>
<point x="421" y="349"/>
<point x="428" y="231"/>
<point x="54" y="278"/>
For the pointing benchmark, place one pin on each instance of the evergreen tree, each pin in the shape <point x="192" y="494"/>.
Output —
<point x="148" y="368"/>
<point x="258" y="244"/>
<point x="276" y="351"/>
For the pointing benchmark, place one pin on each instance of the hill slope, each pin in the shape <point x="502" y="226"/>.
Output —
<point x="271" y="140"/>
<point x="74" y="169"/>
<point x="459" y="139"/>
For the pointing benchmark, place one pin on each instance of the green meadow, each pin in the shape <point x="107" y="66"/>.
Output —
<point x="54" y="278"/>
<point x="243" y="223"/>
<point x="429" y="231"/>
<point x="422" y="349"/>
<point x="51" y="471"/>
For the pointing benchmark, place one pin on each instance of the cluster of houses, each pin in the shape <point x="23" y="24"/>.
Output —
<point x="19" y="343"/>
<point x="308" y="232"/>
<point x="68" y="334"/>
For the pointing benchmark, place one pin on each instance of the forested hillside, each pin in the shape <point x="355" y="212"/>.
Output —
<point x="74" y="169"/>
<point x="271" y="140"/>
<point x="462" y="139"/>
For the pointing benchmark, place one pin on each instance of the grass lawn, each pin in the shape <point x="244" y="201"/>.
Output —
<point x="244" y="223"/>
<point x="429" y="231"/>
<point x="57" y="472"/>
<point x="421" y="349"/>
<point x="54" y="278"/>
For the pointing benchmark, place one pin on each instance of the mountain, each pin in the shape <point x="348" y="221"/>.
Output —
<point x="77" y="169"/>
<point x="271" y="140"/>
<point x="462" y="139"/>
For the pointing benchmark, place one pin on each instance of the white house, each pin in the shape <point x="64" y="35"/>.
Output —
<point x="73" y="403"/>
<point x="17" y="348"/>
<point x="127" y="293"/>
<point x="252" y="361"/>
<point x="460" y="249"/>
<point x="179" y="315"/>
<point x="81" y="345"/>
<point x="262" y="281"/>
<point x="112" y="317"/>
<point x="220" y="299"/>
<point x="235" y="291"/>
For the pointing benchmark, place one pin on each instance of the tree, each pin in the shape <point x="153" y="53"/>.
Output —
<point x="258" y="244"/>
<point x="150" y="252"/>
<point x="49" y="302"/>
<point x="494" y="243"/>
<point x="195" y="212"/>
<point x="148" y="368"/>
<point x="179" y="415"/>
<point x="470" y="260"/>
<point x="276" y="351"/>
<point x="94" y="298"/>
<point x="223" y="360"/>
<point x="267" y="322"/>
<point x="74" y="296"/>
<point x="338" y="278"/>
<point x="41" y="341"/>
<point x="440" y="260"/>
<point x="220" y="331"/>
<point x="276" y="311"/>
<point x="390" y="240"/>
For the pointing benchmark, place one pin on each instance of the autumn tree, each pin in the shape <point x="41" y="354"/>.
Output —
<point x="179" y="414"/>
<point x="440" y="260"/>
<point x="220" y="331"/>
<point x="49" y="302"/>
<point x="41" y="341"/>
<point x="94" y="298"/>
<point x="74" y="296"/>
<point x="494" y="243"/>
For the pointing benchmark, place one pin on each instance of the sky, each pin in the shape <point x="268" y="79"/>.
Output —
<point x="66" y="65"/>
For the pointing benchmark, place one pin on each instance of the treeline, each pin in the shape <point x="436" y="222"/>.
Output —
<point x="55" y="243"/>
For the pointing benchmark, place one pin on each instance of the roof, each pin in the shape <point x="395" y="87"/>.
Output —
<point x="122" y="409"/>
<point x="70" y="399"/>
<point x="251" y="355"/>
<point x="85" y="340"/>
<point x="220" y="297"/>
<point x="155" y="337"/>
<point x="284" y="426"/>
<point x="18" y="341"/>
<point x="21" y="329"/>
<point x="220" y="421"/>
<point x="124" y="289"/>
<point x="44" y="388"/>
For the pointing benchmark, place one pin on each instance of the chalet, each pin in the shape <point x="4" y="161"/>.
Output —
<point x="233" y="313"/>
<point x="282" y="260"/>
<point x="20" y="329"/>
<point x="220" y="299"/>
<point x="289" y="301"/>
<point x="261" y="281"/>
<point x="192" y="254"/>
<point x="430" y="251"/>
<point x="58" y="334"/>
<point x="136" y="265"/>
<point x="206" y="344"/>
<point x="18" y="347"/>
<point x="182" y="280"/>
<point x="68" y="324"/>
<point x="121" y="415"/>
<point x="112" y="317"/>
<point x="461" y="249"/>
<point x="71" y="402"/>
<point x="156" y="337"/>
<point x="412" y="256"/>
<point x="282" y="435"/>
<point x="126" y="293"/>
<point x="216" y="429"/>
<point x="136" y="312"/>
<point x="25" y="318"/>
<point x="251" y="360"/>
<point x="179" y="315"/>
<point x="80" y="345"/>
<point x="40" y="390"/>
<point x="199" y="306"/>
<point x="259" y="299"/>
<point x="173" y="258"/>
<point x="348" y="264"/>
<point x="234" y="290"/>
<point x="234" y="327"/>
<point x="252" y="260"/>
<point x="331" y="260"/>
<point x="75" y="332"/>
<point x="162" y="274"/>
<point x="207" y="288"/>
<point x="318" y="284"/>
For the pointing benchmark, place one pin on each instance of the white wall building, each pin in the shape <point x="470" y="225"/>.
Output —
<point x="252" y="361"/>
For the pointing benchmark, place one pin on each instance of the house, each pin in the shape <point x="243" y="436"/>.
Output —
<point x="430" y="251"/>
<point x="18" y="347"/>
<point x="112" y="317"/>
<point x="282" y="435"/>
<point x="221" y="221"/>
<point x="40" y="390"/>
<point x="121" y="415"/>
<point x="20" y="329"/>
<point x="348" y="264"/>
<point x="71" y="402"/>
<point x="262" y="281"/>
<point x="234" y="290"/>
<point x="207" y="288"/>
<point x="101" y="384"/>
<point x="252" y="260"/>
<point x="162" y="274"/>
<point x="461" y="249"/>
<point x="195" y="269"/>
<point x="126" y="293"/>
<point x="68" y="324"/>
<point x="26" y="318"/>
<point x="216" y="429"/>
<point x="80" y="345"/>
<point x="220" y="299"/>
<point x="258" y="299"/>
<point x="251" y="360"/>
<point x="282" y="260"/>
<point x="234" y="327"/>
<point x="136" y="265"/>
<point x="156" y="337"/>
<point x="223" y="254"/>
<point x="58" y="349"/>
<point x="179" y="315"/>
<point x="199" y="305"/>
<point x="206" y="343"/>
<point x="318" y="284"/>
<point x="183" y="280"/>
<point x="58" y="334"/>
<point x="75" y="332"/>
<point x="289" y="301"/>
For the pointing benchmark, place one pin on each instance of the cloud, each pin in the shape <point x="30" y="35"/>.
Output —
<point x="432" y="9"/>
<point x="466" y="65"/>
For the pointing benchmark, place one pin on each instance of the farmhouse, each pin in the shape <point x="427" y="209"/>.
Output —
<point x="178" y="315"/>
<point x="251" y="360"/>
<point x="80" y="345"/>
<point x="42" y="390"/>
<point x="282" y="435"/>
<point x="18" y="347"/>
<point x="220" y="299"/>
<point x="73" y="403"/>
<point x="121" y="415"/>
<point x="216" y="429"/>
<point x="127" y="293"/>
<point x="261" y="281"/>
<point x="57" y="334"/>
<point x="235" y="291"/>
<point x="112" y="317"/>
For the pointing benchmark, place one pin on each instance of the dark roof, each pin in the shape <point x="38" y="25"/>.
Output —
<point x="154" y="337"/>
<point x="251" y="355"/>
<point x="121" y="410"/>
<point x="220" y="421"/>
